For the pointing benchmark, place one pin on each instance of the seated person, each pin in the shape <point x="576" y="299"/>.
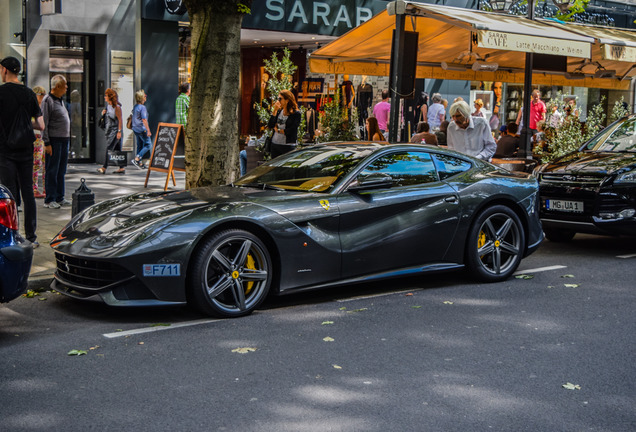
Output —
<point x="423" y="135"/>
<point x="508" y="143"/>
<point x="441" y="133"/>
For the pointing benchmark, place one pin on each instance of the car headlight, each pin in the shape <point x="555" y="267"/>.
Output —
<point x="628" y="177"/>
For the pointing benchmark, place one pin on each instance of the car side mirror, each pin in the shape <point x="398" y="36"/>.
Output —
<point x="371" y="181"/>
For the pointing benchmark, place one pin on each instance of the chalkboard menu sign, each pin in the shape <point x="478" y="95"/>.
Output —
<point x="168" y="152"/>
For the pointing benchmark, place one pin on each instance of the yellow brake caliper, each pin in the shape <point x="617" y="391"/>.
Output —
<point x="481" y="241"/>
<point x="250" y="264"/>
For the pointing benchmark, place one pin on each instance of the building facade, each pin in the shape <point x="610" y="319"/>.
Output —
<point x="133" y="44"/>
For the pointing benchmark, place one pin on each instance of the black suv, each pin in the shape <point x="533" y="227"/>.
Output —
<point x="592" y="190"/>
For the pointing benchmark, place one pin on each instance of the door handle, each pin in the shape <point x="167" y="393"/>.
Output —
<point x="451" y="199"/>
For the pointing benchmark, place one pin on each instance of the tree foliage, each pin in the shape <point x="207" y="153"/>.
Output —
<point x="571" y="134"/>
<point x="335" y="122"/>
<point x="280" y="72"/>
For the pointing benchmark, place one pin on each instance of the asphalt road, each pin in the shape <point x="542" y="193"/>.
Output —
<point x="434" y="353"/>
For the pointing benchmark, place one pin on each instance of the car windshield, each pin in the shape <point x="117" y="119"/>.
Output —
<point x="618" y="138"/>
<point x="311" y="169"/>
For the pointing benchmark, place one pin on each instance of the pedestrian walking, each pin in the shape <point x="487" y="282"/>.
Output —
<point x="19" y="114"/>
<point x="285" y="120"/>
<point x="114" y="128"/>
<point x="38" y="150"/>
<point x="57" y="137"/>
<point x="141" y="129"/>
<point x="182" y="104"/>
<point x="436" y="112"/>
<point x="381" y="112"/>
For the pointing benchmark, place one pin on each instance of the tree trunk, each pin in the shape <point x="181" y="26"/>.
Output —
<point x="212" y="151"/>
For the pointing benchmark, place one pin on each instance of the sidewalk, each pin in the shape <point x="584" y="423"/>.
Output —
<point x="104" y="186"/>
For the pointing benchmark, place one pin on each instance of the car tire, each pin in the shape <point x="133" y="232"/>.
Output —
<point x="559" y="235"/>
<point x="495" y="245"/>
<point x="230" y="274"/>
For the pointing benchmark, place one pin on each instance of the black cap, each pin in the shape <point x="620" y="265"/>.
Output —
<point x="12" y="64"/>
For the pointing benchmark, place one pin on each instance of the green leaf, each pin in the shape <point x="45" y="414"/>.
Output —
<point x="76" y="352"/>
<point x="570" y="386"/>
<point x="524" y="276"/>
<point x="328" y="339"/>
<point x="160" y="325"/>
<point x="448" y="302"/>
<point x="244" y="350"/>
<point x="571" y="285"/>
<point x="343" y="308"/>
<point x="327" y="322"/>
<point x="357" y="310"/>
<point x="416" y="307"/>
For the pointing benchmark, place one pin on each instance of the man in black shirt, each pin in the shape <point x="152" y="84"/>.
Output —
<point x="16" y="158"/>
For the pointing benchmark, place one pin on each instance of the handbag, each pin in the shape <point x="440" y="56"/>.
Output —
<point x="267" y="146"/>
<point x="129" y="122"/>
<point x="117" y="158"/>
<point x="102" y="121"/>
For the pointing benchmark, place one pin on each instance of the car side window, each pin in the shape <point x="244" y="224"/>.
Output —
<point x="622" y="139"/>
<point x="448" y="166"/>
<point x="405" y="168"/>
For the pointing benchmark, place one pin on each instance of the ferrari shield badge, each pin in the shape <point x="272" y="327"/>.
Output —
<point x="324" y="204"/>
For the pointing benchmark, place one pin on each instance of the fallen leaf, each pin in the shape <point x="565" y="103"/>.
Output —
<point x="337" y="367"/>
<point x="570" y="386"/>
<point x="524" y="276"/>
<point x="42" y="298"/>
<point x="416" y="307"/>
<point x="327" y="322"/>
<point x="357" y="310"/>
<point x="160" y="325"/>
<point x="571" y="285"/>
<point x="94" y="348"/>
<point x="76" y="352"/>
<point x="567" y="276"/>
<point x="140" y="343"/>
<point x="343" y="308"/>
<point x="328" y="339"/>
<point x="550" y="286"/>
<point x="244" y="350"/>
<point x="448" y="302"/>
<point x="408" y="294"/>
<point x="30" y="294"/>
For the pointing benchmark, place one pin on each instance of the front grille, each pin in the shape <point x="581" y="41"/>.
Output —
<point x="89" y="273"/>
<point x="612" y="202"/>
<point x="572" y="179"/>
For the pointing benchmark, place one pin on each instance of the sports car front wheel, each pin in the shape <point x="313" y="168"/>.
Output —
<point x="495" y="244"/>
<point x="230" y="275"/>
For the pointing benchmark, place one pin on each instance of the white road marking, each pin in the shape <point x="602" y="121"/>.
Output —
<point x="539" y="269"/>
<point x="626" y="256"/>
<point x="377" y="295"/>
<point x="157" y="328"/>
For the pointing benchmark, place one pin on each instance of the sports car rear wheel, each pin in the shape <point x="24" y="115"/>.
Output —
<point x="495" y="244"/>
<point x="231" y="273"/>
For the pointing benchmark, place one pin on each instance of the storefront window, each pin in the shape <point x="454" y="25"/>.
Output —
<point x="11" y="37"/>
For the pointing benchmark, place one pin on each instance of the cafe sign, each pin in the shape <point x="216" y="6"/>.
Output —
<point x="532" y="44"/>
<point x="618" y="53"/>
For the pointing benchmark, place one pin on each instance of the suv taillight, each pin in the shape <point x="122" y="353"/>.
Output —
<point x="8" y="214"/>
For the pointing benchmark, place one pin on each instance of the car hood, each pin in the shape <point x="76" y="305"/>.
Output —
<point x="148" y="212"/>
<point x="591" y="163"/>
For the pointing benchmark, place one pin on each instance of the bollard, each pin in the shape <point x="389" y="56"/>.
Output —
<point x="83" y="198"/>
